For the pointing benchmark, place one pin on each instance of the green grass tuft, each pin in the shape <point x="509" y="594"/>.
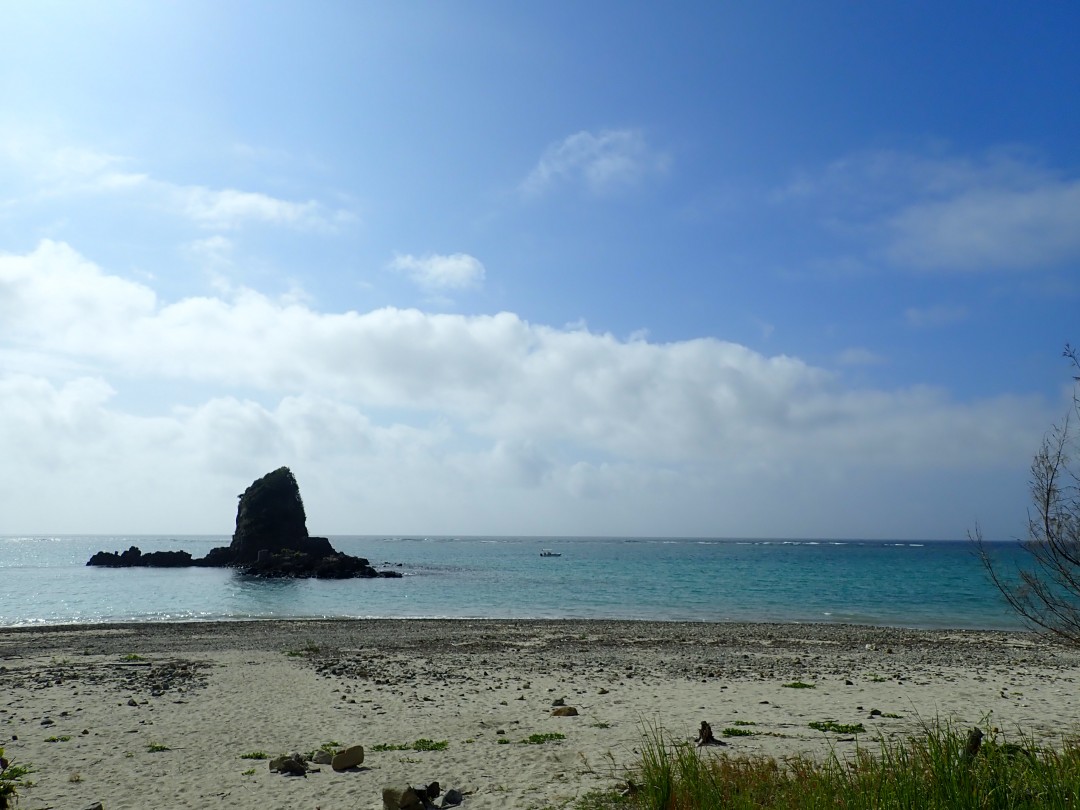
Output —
<point x="737" y="732"/>
<point x="156" y="748"/>
<point x="331" y="748"/>
<point x="540" y="739"/>
<point x="838" y="728"/>
<point x="929" y="771"/>
<point x="430" y="745"/>
<point x="12" y="780"/>
<point x="422" y="744"/>
<point x="799" y="685"/>
<point x="255" y="755"/>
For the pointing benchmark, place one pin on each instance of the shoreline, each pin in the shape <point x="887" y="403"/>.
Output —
<point x="227" y="627"/>
<point x="1015" y="628"/>
<point x="211" y="691"/>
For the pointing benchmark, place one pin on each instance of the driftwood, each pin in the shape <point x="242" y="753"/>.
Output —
<point x="705" y="736"/>
<point x="974" y="742"/>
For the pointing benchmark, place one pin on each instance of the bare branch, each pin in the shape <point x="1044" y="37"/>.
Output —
<point x="1047" y="593"/>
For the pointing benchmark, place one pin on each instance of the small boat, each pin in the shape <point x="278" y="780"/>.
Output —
<point x="547" y="552"/>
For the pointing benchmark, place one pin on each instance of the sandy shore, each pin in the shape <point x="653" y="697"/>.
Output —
<point x="209" y="693"/>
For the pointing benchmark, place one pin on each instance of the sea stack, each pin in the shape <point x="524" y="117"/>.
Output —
<point x="271" y="540"/>
<point x="270" y="520"/>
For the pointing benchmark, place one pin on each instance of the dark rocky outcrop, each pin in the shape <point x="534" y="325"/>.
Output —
<point x="134" y="557"/>
<point x="271" y="540"/>
<point x="270" y="516"/>
<point x="418" y="797"/>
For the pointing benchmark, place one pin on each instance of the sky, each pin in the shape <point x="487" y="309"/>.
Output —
<point x="626" y="268"/>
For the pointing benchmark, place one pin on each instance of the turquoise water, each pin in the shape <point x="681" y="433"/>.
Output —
<point x="44" y="580"/>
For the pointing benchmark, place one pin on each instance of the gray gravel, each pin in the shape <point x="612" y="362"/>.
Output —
<point x="689" y="649"/>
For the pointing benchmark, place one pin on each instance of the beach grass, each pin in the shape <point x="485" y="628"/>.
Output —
<point x="737" y="732"/>
<point x="422" y="744"/>
<point x="12" y="779"/>
<point x="540" y="739"/>
<point x="331" y="747"/>
<point x="935" y="770"/>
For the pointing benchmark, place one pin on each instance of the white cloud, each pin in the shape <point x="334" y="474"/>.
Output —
<point x="65" y="171"/>
<point x="872" y="181"/>
<point x="484" y="423"/>
<point x="213" y="251"/>
<point x="437" y="273"/>
<point x="604" y="162"/>
<point x="990" y="228"/>
<point x="74" y="296"/>
<point x="79" y="462"/>
<point x="1002" y="210"/>
<point x="229" y="208"/>
<point x="494" y="376"/>
<point x="49" y="172"/>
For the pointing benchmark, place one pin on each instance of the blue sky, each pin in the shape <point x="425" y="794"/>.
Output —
<point x="746" y="269"/>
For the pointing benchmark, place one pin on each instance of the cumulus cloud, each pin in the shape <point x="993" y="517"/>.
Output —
<point x="501" y="378"/>
<point x="603" y="163"/>
<point x="71" y="293"/>
<point x="435" y="273"/>
<point x="80" y="462"/>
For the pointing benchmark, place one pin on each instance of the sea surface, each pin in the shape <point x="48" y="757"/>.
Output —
<point x="44" y="580"/>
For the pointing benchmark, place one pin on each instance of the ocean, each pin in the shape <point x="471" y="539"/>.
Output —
<point x="44" y="581"/>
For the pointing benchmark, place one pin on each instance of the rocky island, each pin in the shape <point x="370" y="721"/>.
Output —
<point x="271" y="540"/>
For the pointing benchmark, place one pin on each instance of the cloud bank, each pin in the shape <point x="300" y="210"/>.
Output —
<point x="471" y="423"/>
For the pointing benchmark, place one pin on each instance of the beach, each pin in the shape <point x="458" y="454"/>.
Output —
<point x="148" y="715"/>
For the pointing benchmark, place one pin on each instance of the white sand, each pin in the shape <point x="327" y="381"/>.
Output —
<point x="474" y="683"/>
